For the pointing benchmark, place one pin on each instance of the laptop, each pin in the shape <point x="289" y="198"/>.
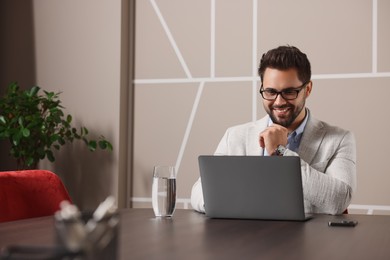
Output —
<point x="253" y="187"/>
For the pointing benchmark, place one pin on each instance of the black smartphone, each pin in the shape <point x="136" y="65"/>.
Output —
<point x="342" y="223"/>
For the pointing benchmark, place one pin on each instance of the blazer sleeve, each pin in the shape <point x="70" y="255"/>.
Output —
<point x="329" y="184"/>
<point x="197" y="201"/>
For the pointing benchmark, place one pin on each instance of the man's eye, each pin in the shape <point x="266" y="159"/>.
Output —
<point x="270" y="92"/>
<point x="289" y="92"/>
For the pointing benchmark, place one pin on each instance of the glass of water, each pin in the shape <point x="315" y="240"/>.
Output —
<point x="164" y="191"/>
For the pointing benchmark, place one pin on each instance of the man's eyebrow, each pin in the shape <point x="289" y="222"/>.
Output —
<point x="288" y="88"/>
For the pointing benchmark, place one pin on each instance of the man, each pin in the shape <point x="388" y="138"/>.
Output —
<point x="328" y="153"/>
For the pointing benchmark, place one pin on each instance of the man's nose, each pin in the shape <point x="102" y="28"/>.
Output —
<point x="280" y="100"/>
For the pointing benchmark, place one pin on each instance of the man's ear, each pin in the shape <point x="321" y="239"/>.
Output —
<point x="308" y="89"/>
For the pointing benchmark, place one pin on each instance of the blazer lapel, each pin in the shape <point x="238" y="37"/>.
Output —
<point x="311" y="139"/>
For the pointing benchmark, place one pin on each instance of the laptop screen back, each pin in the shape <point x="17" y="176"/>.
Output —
<point x="252" y="187"/>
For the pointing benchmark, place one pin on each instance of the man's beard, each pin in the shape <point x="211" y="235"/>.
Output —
<point x="287" y="121"/>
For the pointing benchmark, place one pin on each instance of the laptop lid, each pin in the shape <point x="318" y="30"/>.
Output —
<point x="252" y="187"/>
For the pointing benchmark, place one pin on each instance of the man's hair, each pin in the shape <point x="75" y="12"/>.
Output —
<point x="284" y="58"/>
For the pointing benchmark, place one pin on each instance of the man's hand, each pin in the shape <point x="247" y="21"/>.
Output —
<point x="273" y="136"/>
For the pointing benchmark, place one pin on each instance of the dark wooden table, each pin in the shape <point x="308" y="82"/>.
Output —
<point x="190" y="235"/>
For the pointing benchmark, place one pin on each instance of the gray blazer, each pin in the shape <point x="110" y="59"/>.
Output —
<point x="328" y="161"/>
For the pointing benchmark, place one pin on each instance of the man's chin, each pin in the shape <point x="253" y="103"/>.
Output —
<point x="282" y="123"/>
<point x="285" y="122"/>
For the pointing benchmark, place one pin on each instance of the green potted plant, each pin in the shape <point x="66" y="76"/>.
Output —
<point x="35" y="125"/>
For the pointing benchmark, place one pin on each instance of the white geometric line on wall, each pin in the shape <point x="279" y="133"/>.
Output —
<point x="374" y="36"/>
<point x="189" y="126"/>
<point x="352" y="75"/>
<point x="370" y="208"/>
<point x="192" y="80"/>
<point x="170" y="38"/>
<point x="257" y="79"/>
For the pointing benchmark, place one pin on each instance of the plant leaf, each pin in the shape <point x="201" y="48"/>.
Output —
<point x="2" y="120"/>
<point x="50" y="95"/>
<point x="13" y="87"/>
<point x="41" y="153"/>
<point x="50" y="155"/>
<point x="109" y="145"/>
<point x="92" y="145"/>
<point x="25" y="132"/>
<point x="29" y="161"/>
<point x="16" y="138"/>
<point x="54" y="138"/>
<point x="102" y="144"/>
<point x="20" y="121"/>
<point x="33" y="91"/>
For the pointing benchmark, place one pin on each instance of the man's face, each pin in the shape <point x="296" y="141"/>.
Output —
<point x="287" y="113"/>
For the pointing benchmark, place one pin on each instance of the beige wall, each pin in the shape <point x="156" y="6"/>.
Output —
<point x="78" y="47"/>
<point x="195" y="75"/>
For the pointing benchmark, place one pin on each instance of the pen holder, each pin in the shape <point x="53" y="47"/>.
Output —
<point x="89" y="239"/>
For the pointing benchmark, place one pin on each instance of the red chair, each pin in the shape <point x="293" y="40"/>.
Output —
<point x="29" y="194"/>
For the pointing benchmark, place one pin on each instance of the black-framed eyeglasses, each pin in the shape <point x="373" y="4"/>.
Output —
<point x="271" y="94"/>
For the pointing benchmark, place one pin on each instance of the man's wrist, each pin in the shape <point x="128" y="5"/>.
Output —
<point x="279" y="151"/>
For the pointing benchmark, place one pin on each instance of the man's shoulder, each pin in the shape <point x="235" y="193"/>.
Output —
<point x="329" y="128"/>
